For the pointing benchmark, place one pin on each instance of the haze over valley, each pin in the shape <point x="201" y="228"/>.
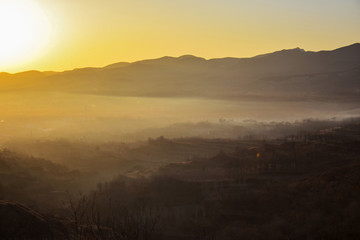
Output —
<point x="179" y="120"/>
<point x="121" y="100"/>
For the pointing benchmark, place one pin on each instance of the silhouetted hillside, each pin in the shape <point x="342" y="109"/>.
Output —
<point x="303" y="187"/>
<point x="284" y="75"/>
<point x="38" y="182"/>
<point x="20" y="222"/>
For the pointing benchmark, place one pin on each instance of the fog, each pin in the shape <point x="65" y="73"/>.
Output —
<point x="102" y="118"/>
<point x="260" y="148"/>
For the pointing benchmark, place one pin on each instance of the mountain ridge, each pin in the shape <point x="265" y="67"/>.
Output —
<point x="289" y="74"/>
<point x="190" y="56"/>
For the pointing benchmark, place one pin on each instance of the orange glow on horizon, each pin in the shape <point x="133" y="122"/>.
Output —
<point x="95" y="33"/>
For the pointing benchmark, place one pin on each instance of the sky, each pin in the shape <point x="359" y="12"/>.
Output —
<point x="68" y="34"/>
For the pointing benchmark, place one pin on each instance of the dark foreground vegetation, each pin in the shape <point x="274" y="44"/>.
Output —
<point x="303" y="186"/>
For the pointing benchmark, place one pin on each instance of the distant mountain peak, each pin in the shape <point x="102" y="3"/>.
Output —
<point x="351" y="47"/>
<point x="190" y="57"/>
<point x="167" y="59"/>
<point x="117" y="65"/>
<point x="298" y="49"/>
<point x="187" y="56"/>
<point x="291" y="51"/>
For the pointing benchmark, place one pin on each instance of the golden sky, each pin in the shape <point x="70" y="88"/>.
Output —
<point x="66" y="34"/>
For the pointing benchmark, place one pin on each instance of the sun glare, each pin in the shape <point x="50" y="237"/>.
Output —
<point x="24" y="29"/>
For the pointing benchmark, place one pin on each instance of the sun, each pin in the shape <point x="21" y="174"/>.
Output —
<point x="24" y="29"/>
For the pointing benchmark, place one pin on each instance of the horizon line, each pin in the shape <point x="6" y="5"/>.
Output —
<point x="191" y="55"/>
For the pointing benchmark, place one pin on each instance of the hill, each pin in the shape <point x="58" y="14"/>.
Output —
<point x="284" y="75"/>
<point x="149" y="98"/>
<point x="37" y="182"/>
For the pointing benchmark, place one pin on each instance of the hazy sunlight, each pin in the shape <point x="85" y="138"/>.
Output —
<point x="24" y="28"/>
